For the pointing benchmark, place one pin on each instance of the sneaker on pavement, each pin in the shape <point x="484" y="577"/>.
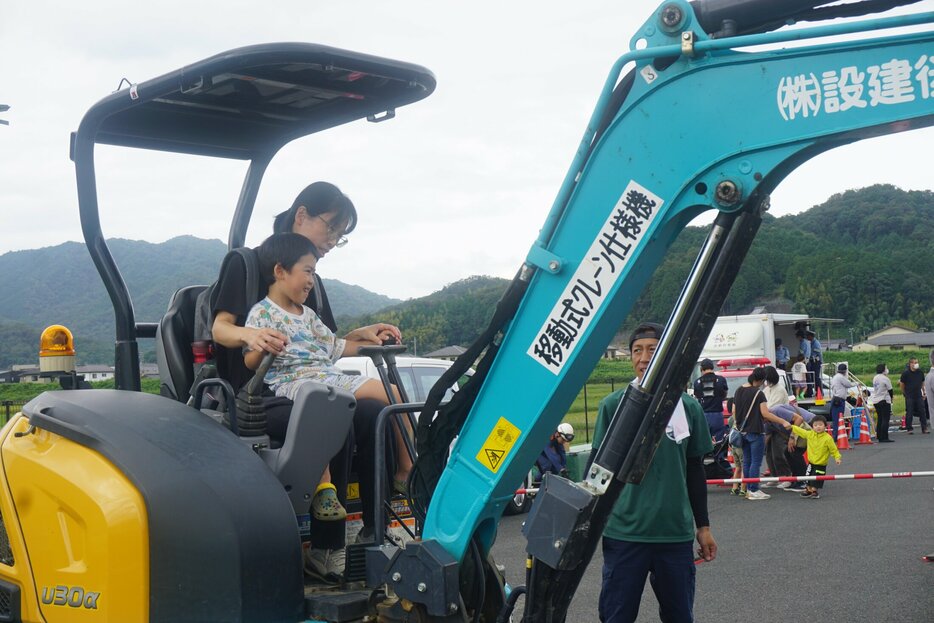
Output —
<point x="766" y="485"/>
<point x="757" y="495"/>
<point x="783" y="485"/>
<point x="806" y="494"/>
<point x="814" y="496"/>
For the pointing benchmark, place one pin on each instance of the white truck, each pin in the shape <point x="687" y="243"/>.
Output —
<point x="754" y="335"/>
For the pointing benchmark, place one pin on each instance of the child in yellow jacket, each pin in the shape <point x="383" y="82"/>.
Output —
<point x="820" y="447"/>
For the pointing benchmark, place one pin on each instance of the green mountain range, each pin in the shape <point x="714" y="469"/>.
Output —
<point x="863" y="255"/>
<point x="59" y="285"/>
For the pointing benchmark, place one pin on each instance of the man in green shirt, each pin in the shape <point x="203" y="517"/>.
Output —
<point x="652" y="527"/>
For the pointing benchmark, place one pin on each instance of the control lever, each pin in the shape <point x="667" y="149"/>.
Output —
<point x="251" y="414"/>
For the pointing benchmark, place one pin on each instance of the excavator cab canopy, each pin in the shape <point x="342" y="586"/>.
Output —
<point x="244" y="104"/>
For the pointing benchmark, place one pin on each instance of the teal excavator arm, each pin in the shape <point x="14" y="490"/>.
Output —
<point x="700" y="122"/>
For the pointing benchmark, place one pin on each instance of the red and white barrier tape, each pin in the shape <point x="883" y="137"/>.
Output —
<point x="730" y="481"/>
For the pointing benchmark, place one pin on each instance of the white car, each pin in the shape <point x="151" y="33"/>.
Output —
<point x="418" y="374"/>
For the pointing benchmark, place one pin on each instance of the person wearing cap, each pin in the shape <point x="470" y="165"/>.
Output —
<point x="839" y="385"/>
<point x="816" y="360"/>
<point x="711" y="389"/>
<point x="554" y="458"/>
<point x="653" y="524"/>
<point x="781" y="354"/>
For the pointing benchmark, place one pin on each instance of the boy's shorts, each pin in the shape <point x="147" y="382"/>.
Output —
<point x="737" y="456"/>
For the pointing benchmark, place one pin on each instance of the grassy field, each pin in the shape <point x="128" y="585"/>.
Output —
<point x="607" y="376"/>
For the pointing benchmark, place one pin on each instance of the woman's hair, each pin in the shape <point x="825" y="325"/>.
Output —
<point x="771" y="375"/>
<point x="319" y="198"/>
<point x="757" y="374"/>
<point x="880" y="369"/>
<point x="283" y="249"/>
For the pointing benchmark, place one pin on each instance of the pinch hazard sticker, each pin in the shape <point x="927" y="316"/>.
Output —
<point x="500" y="442"/>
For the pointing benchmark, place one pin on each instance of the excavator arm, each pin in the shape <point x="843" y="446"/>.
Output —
<point x="703" y="120"/>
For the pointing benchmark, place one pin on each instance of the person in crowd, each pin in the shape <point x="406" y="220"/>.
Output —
<point x="799" y="376"/>
<point x="839" y="387"/>
<point x="776" y="437"/>
<point x="711" y="389"/>
<point x="804" y="351"/>
<point x="881" y="400"/>
<point x="816" y="361"/>
<point x="820" y="448"/>
<point x="738" y="488"/>
<point x="798" y="446"/>
<point x="554" y="457"/>
<point x="751" y="411"/>
<point x="324" y="215"/>
<point x="653" y="524"/>
<point x="912" y="385"/>
<point x="781" y="354"/>
<point x="929" y="388"/>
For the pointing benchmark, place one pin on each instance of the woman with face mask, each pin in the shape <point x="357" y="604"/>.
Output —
<point x="881" y="400"/>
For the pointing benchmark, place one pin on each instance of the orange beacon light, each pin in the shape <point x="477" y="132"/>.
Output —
<point x="56" y="350"/>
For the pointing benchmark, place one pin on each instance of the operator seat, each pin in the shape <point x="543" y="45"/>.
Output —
<point x="319" y="421"/>
<point x="174" y="336"/>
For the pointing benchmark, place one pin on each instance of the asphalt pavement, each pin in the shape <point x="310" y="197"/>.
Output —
<point x="853" y="555"/>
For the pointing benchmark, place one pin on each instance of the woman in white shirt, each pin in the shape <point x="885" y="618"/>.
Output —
<point x="881" y="400"/>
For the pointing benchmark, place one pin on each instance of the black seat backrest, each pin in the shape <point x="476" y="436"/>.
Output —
<point x="173" y="344"/>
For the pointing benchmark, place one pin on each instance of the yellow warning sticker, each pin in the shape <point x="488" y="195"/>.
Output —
<point x="500" y="442"/>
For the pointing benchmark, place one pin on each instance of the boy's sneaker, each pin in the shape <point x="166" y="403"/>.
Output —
<point x="742" y="493"/>
<point x="783" y="485"/>
<point x="807" y="494"/>
<point x="325" y="506"/>
<point x="814" y="496"/>
<point x="757" y="495"/>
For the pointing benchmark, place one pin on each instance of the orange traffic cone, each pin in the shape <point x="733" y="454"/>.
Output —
<point x="864" y="436"/>
<point x="842" y="443"/>
<point x="729" y="454"/>
<point x="819" y="396"/>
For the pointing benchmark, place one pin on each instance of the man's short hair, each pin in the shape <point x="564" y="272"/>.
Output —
<point x="646" y="330"/>
<point x="706" y="364"/>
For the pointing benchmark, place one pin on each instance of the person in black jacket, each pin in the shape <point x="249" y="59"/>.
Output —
<point x="710" y="389"/>
<point x="912" y="385"/>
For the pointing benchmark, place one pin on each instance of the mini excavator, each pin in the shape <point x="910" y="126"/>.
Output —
<point x="121" y="506"/>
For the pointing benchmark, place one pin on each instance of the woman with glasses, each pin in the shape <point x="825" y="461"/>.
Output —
<point x="324" y="215"/>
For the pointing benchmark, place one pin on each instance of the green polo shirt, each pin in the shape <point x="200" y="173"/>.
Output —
<point x="657" y="510"/>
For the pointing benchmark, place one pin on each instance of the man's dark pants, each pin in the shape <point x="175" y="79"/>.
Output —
<point x="671" y="571"/>
<point x="916" y="406"/>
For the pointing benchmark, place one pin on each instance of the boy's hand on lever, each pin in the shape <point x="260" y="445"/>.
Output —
<point x="376" y="334"/>
<point x="268" y="340"/>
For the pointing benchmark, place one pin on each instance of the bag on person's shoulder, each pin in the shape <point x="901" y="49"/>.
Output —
<point x="736" y="437"/>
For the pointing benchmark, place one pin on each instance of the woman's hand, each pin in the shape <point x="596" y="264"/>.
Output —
<point x="268" y="340"/>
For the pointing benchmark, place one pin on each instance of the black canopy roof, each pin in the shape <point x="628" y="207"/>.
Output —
<point x="253" y="100"/>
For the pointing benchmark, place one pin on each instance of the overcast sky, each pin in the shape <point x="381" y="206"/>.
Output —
<point x="456" y="185"/>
